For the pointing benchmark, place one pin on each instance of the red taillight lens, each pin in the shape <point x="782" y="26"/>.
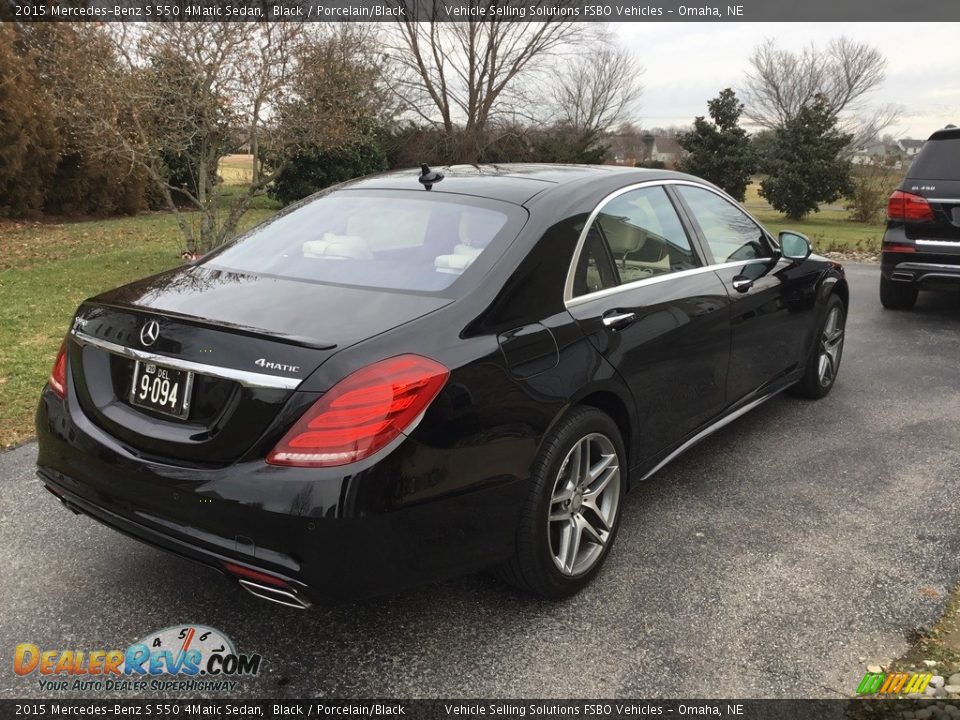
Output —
<point x="898" y="248"/>
<point x="908" y="207"/>
<point x="240" y="571"/>
<point x="362" y="413"/>
<point x="58" y="375"/>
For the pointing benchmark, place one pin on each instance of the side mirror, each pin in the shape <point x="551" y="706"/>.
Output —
<point x="794" y="246"/>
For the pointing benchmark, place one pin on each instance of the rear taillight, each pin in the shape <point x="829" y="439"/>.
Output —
<point x="362" y="413"/>
<point x="58" y="375"/>
<point x="897" y="248"/>
<point x="908" y="207"/>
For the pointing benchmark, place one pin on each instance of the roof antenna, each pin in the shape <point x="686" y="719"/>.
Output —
<point x="428" y="177"/>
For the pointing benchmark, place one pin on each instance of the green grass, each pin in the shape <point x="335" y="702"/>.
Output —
<point x="236" y="169"/>
<point x="828" y="230"/>
<point x="46" y="270"/>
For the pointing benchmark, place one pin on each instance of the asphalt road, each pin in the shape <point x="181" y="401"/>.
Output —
<point x="765" y="563"/>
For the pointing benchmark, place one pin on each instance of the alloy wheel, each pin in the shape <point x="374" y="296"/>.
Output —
<point x="831" y="346"/>
<point x="584" y="504"/>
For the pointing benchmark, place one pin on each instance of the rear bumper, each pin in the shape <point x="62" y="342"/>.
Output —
<point x="927" y="262"/>
<point x="914" y="271"/>
<point x="328" y="537"/>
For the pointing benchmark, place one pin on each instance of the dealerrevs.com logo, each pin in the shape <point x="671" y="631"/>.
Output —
<point x="182" y="657"/>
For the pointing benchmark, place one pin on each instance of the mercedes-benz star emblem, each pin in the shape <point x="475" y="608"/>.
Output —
<point x="149" y="333"/>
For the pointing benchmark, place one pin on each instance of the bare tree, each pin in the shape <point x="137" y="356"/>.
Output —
<point x="187" y="87"/>
<point x="462" y="76"/>
<point x="781" y="82"/>
<point x="598" y="90"/>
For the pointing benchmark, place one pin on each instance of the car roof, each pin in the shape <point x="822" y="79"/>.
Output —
<point x="950" y="132"/>
<point x="509" y="182"/>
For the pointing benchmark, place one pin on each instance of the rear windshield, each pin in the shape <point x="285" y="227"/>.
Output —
<point x="939" y="160"/>
<point x="416" y="240"/>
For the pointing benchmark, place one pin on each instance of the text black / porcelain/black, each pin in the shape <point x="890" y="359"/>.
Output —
<point x="427" y="373"/>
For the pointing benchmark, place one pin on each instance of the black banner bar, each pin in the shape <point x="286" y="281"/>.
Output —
<point x="460" y="10"/>
<point x="860" y="709"/>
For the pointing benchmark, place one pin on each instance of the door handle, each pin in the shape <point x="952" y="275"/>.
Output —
<point x="616" y="319"/>
<point x="742" y="284"/>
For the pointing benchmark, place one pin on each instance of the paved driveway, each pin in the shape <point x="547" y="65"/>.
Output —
<point x="767" y="562"/>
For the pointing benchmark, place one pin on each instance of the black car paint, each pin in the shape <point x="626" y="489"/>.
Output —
<point x="444" y="500"/>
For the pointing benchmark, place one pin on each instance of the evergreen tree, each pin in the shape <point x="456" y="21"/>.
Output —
<point x="804" y="163"/>
<point x="720" y="151"/>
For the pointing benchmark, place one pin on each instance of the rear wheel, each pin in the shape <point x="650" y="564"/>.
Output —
<point x="824" y="362"/>
<point x="572" y="512"/>
<point x="896" y="295"/>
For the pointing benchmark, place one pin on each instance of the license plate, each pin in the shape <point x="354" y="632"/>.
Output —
<point x="161" y="389"/>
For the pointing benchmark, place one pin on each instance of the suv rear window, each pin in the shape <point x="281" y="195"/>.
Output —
<point x="397" y="240"/>
<point x="938" y="160"/>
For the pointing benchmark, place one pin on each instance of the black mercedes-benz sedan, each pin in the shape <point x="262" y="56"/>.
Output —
<point x="427" y="373"/>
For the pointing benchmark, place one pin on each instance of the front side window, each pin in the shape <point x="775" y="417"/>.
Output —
<point x="401" y="240"/>
<point x="635" y="236"/>
<point x="731" y="234"/>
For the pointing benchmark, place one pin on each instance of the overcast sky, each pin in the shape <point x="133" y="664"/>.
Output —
<point x="688" y="63"/>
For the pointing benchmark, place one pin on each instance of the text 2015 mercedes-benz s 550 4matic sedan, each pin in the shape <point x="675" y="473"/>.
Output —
<point x="427" y="373"/>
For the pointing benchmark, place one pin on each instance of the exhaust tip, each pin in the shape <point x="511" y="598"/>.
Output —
<point x="900" y="275"/>
<point x="282" y="596"/>
<point x="267" y="587"/>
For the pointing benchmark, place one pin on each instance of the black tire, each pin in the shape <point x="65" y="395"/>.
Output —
<point x="533" y="568"/>
<point x="895" y="295"/>
<point x="813" y="384"/>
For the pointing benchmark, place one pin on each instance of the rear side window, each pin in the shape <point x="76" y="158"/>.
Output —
<point x="400" y="240"/>
<point x="635" y="236"/>
<point x="938" y="160"/>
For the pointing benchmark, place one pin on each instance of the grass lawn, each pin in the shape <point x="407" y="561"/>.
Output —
<point x="828" y="230"/>
<point x="236" y="169"/>
<point x="46" y="270"/>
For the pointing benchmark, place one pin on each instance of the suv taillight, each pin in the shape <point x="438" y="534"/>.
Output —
<point x="58" y="374"/>
<point x="362" y="413"/>
<point x="908" y="207"/>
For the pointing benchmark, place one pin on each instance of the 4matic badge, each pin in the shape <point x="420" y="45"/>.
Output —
<point x="194" y="651"/>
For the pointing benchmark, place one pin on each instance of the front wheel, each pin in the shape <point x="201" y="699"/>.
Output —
<point x="572" y="512"/>
<point x="896" y="295"/>
<point x="824" y="362"/>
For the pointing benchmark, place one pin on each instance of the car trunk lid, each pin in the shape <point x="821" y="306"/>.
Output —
<point x="235" y="345"/>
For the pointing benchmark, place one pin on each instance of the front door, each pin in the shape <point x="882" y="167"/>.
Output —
<point x="771" y="299"/>
<point x="641" y="295"/>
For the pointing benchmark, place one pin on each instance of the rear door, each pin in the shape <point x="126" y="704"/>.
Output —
<point x="772" y="301"/>
<point x="643" y="297"/>
<point x="935" y="175"/>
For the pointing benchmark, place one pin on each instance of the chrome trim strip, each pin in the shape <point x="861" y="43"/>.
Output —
<point x="706" y="432"/>
<point x="951" y="243"/>
<point x="925" y="266"/>
<point x="571" y="301"/>
<point x="244" y="377"/>
<point x="606" y="292"/>
<point x="943" y="200"/>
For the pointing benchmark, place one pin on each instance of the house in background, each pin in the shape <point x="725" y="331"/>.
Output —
<point x="909" y="146"/>
<point x="895" y="154"/>
<point x="666" y="150"/>
<point x="635" y="147"/>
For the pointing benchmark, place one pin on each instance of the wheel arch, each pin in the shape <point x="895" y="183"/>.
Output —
<point x="617" y="407"/>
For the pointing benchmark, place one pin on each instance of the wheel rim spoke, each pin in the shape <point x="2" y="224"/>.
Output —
<point x="831" y="343"/>
<point x="584" y="504"/>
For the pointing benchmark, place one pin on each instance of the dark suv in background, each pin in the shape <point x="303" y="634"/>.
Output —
<point x="921" y="246"/>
